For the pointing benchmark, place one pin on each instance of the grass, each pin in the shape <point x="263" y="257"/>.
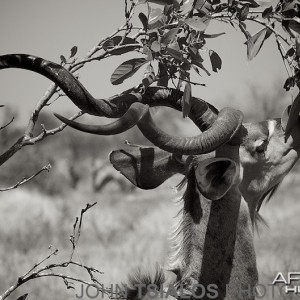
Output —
<point x="278" y="246"/>
<point x="122" y="232"/>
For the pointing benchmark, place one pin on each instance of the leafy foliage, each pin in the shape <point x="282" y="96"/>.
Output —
<point x="170" y="42"/>
<point x="172" y="35"/>
<point x="126" y="70"/>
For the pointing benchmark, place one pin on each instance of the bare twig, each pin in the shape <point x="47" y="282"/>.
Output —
<point x="282" y="52"/>
<point x="52" y="253"/>
<point x="26" y="179"/>
<point x="4" y="126"/>
<point x="53" y="269"/>
<point x="128" y="143"/>
<point x="46" y="132"/>
<point x="27" y="138"/>
<point x="74" y="238"/>
<point x="108" y="52"/>
<point x="253" y="19"/>
<point x="59" y="95"/>
<point x="191" y="82"/>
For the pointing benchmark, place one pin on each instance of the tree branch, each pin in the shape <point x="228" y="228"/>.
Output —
<point x="26" y="179"/>
<point x="27" y="138"/>
<point x="52" y="269"/>
<point x="46" y="132"/>
<point x="4" y="126"/>
<point x="270" y="28"/>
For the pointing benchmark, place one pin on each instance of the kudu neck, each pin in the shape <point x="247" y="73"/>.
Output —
<point x="218" y="245"/>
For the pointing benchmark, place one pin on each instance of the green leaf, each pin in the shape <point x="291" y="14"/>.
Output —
<point x="196" y="24"/>
<point x="179" y="84"/>
<point x="269" y="31"/>
<point x="243" y="28"/>
<point x="264" y="3"/>
<point x="149" y="76"/>
<point x="156" y="19"/>
<point x="73" y="51"/>
<point x="116" y="40"/>
<point x="285" y="117"/>
<point x="168" y="9"/>
<point x="169" y="36"/>
<point x="148" y="53"/>
<point x="163" y="75"/>
<point x="216" y="61"/>
<point x="174" y="46"/>
<point x="186" y="65"/>
<point x="207" y="8"/>
<point x="163" y="81"/>
<point x="294" y="25"/>
<point x="174" y="53"/>
<point x="290" y="9"/>
<point x="244" y="12"/>
<point x="267" y="12"/>
<point x="23" y="297"/>
<point x="155" y="15"/>
<point x="289" y="83"/>
<point x="200" y="65"/>
<point x="197" y="70"/>
<point x="254" y="43"/>
<point x="199" y="4"/>
<point x="195" y="56"/>
<point x="211" y="36"/>
<point x="162" y="2"/>
<point x="293" y="116"/>
<point x="178" y="55"/>
<point x="251" y="3"/>
<point x="186" y="6"/>
<point x="123" y="50"/>
<point x="144" y="20"/>
<point x="126" y="70"/>
<point x="186" y="100"/>
<point x="63" y="59"/>
<point x="290" y="52"/>
<point x="156" y="25"/>
<point x="297" y="48"/>
<point x="155" y="46"/>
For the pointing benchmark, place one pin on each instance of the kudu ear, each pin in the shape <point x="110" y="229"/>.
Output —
<point x="148" y="167"/>
<point x="215" y="176"/>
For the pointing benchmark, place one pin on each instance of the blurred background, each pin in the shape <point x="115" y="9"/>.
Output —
<point x="128" y="227"/>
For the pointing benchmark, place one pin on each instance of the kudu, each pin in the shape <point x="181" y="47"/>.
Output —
<point x="229" y="168"/>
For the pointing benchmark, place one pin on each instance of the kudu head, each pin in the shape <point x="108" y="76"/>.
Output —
<point x="230" y="167"/>
<point x="267" y="155"/>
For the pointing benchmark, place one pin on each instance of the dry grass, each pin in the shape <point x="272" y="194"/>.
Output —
<point x="123" y="232"/>
<point x="278" y="246"/>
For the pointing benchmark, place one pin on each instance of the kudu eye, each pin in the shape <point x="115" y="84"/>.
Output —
<point x="261" y="147"/>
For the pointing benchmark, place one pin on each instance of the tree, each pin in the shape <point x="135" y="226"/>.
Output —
<point x="169" y="41"/>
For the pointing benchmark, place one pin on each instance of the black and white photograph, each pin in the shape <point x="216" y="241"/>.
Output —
<point x="149" y="149"/>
